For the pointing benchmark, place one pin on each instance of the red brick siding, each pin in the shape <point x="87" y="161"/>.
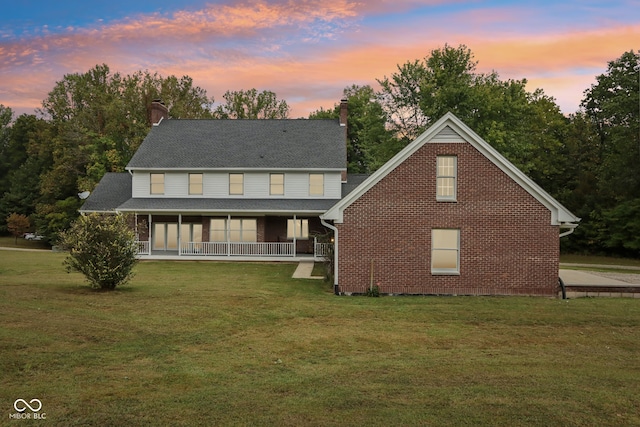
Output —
<point x="507" y="245"/>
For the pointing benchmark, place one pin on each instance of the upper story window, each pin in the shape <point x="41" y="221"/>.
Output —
<point x="195" y="183"/>
<point x="276" y="184"/>
<point x="316" y="184"/>
<point x="236" y="183"/>
<point x="157" y="183"/>
<point x="446" y="178"/>
<point x="445" y="251"/>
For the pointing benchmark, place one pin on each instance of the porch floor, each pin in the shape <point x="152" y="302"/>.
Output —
<point x="173" y="256"/>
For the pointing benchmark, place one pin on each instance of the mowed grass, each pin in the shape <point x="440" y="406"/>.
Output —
<point x="203" y="343"/>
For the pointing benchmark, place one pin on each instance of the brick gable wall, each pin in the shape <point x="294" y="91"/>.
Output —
<point x="507" y="245"/>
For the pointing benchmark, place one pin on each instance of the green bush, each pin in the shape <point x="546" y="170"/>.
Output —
<point x="103" y="248"/>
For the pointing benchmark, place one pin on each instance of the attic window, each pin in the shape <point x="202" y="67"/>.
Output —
<point x="446" y="177"/>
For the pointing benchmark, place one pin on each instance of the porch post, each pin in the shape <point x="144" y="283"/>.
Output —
<point x="179" y="234"/>
<point x="149" y="232"/>
<point x="295" y="232"/>
<point x="228" y="233"/>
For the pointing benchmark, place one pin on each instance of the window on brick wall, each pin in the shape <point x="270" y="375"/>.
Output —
<point x="298" y="228"/>
<point x="233" y="230"/>
<point x="445" y="251"/>
<point x="446" y="182"/>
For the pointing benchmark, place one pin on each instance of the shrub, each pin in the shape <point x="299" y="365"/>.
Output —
<point x="103" y="248"/>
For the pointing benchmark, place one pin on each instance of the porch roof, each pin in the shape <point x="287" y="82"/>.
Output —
<point x="202" y="205"/>
<point x="113" y="190"/>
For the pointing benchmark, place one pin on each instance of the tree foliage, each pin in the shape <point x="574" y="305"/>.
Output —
<point x="93" y="123"/>
<point x="103" y="248"/>
<point x="369" y="143"/>
<point x="17" y="224"/>
<point x="611" y="206"/>
<point x="251" y="104"/>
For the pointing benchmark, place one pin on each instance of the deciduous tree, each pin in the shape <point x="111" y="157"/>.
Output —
<point x="249" y="104"/>
<point x="17" y="224"/>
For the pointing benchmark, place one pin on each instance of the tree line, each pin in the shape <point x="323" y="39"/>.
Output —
<point x="92" y="123"/>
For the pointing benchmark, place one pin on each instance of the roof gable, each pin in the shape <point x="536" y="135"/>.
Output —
<point x="230" y="144"/>
<point x="451" y="129"/>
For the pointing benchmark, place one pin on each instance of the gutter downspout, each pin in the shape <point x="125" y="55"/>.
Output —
<point x="335" y="254"/>
<point x="571" y="228"/>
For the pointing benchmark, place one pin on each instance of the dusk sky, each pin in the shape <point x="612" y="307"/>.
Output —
<point x="308" y="51"/>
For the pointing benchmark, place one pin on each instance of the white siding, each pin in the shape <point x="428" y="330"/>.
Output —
<point x="447" y="135"/>
<point x="256" y="185"/>
<point x="141" y="184"/>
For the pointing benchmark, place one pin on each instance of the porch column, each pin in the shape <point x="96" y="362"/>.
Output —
<point x="295" y="233"/>
<point x="179" y="234"/>
<point x="149" y="232"/>
<point x="228" y="234"/>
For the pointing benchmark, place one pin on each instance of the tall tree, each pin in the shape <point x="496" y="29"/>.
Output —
<point x="99" y="119"/>
<point x="8" y="153"/>
<point x="369" y="143"/>
<point x="249" y="104"/>
<point x="613" y="106"/>
<point x="501" y="112"/>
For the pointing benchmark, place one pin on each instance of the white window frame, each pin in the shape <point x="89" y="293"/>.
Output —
<point x="298" y="229"/>
<point x="316" y="188"/>
<point x="438" y="247"/>
<point x="155" y="186"/>
<point x="195" y="188"/>
<point x="276" y="188"/>
<point x="246" y="227"/>
<point x="446" y="178"/>
<point x="236" y="188"/>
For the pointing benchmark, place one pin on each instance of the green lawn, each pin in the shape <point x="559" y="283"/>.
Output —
<point x="203" y="343"/>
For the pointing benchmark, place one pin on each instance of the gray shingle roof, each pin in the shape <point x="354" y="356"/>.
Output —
<point x="112" y="190"/>
<point x="201" y="205"/>
<point x="188" y="144"/>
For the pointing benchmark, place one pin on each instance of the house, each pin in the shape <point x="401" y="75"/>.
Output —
<point x="448" y="215"/>
<point x="229" y="188"/>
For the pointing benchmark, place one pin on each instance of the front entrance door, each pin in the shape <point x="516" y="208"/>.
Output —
<point x="165" y="236"/>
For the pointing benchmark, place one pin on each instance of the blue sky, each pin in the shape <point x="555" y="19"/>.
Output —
<point x="308" y="51"/>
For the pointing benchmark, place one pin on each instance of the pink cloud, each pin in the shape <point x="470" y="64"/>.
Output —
<point x="277" y="46"/>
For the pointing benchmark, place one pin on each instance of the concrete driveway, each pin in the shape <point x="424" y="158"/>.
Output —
<point x="587" y="278"/>
<point x="580" y="283"/>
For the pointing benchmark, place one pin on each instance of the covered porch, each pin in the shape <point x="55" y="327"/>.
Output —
<point x="230" y="237"/>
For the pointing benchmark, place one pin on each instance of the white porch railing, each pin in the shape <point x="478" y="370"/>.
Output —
<point x="143" y="247"/>
<point x="261" y="249"/>
<point x="321" y="250"/>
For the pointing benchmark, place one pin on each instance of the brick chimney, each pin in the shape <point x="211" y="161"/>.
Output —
<point x="158" y="111"/>
<point x="344" y="110"/>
